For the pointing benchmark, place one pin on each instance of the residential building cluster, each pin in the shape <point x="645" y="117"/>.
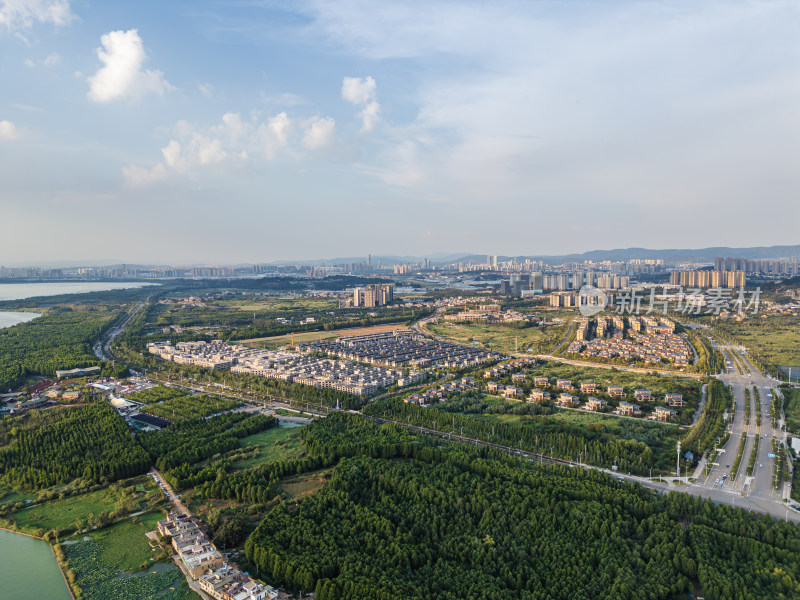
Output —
<point x="401" y="348"/>
<point x="441" y="392"/>
<point x="342" y="376"/>
<point x="624" y="408"/>
<point x="645" y="339"/>
<point x="447" y="302"/>
<point x="708" y="279"/>
<point x="205" y="564"/>
<point x="759" y="266"/>
<point x="513" y="369"/>
<point x="486" y="313"/>
<point x="576" y="300"/>
<point x="373" y="295"/>
<point x="523" y="284"/>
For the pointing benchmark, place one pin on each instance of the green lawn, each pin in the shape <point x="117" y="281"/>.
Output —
<point x="774" y="339"/>
<point x="124" y="544"/>
<point x="62" y="513"/>
<point x="278" y="443"/>
<point x="8" y="497"/>
<point x="537" y="340"/>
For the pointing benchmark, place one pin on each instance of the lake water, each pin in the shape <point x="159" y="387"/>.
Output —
<point x="18" y="291"/>
<point x="11" y="318"/>
<point x="28" y="569"/>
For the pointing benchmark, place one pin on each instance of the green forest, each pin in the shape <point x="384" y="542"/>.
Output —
<point x="404" y="519"/>
<point x="179" y="450"/>
<point x="59" y="339"/>
<point x="592" y="444"/>
<point x="57" y="446"/>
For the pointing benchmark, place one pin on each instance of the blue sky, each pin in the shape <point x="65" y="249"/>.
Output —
<point x="254" y="131"/>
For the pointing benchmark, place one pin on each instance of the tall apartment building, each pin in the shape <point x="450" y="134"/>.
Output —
<point x="708" y="279"/>
<point x="761" y="266"/>
<point x="376" y="294"/>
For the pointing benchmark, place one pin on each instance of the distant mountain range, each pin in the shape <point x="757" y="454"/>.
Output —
<point x="672" y="256"/>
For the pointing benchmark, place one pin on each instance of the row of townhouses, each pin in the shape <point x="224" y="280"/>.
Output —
<point x="401" y="348"/>
<point x="205" y="564"/>
<point x="343" y="376"/>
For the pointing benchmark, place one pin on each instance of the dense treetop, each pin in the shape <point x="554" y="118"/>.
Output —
<point x="456" y="522"/>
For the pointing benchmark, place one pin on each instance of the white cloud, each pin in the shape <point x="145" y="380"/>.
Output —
<point x="8" y="131"/>
<point x="22" y="14"/>
<point x="206" y="89"/>
<point x="362" y="92"/>
<point x="318" y="132"/>
<point x="358" y="90"/>
<point x="139" y="177"/>
<point x="232" y="127"/>
<point x="274" y="134"/>
<point x="121" y="76"/>
<point x="51" y="60"/>
<point x="230" y="144"/>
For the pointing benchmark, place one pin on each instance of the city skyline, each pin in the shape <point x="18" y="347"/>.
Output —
<point x="260" y="132"/>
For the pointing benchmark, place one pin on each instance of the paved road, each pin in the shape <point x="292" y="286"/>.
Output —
<point x="102" y="347"/>
<point x="174" y="499"/>
<point x="757" y="492"/>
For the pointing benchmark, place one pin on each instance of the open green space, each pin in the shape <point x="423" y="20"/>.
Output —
<point x="247" y="315"/>
<point x="502" y="338"/>
<point x="279" y="443"/>
<point x="771" y="341"/>
<point x="9" y="497"/>
<point x="124" y="545"/>
<point x="105" y="569"/>
<point x="302" y="486"/>
<point x="65" y="513"/>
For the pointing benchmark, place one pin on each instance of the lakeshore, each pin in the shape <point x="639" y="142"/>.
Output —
<point x="28" y="568"/>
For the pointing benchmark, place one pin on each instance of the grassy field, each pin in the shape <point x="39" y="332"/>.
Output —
<point x="313" y="336"/>
<point x="9" y="497"/>
<point x="791" y="408"/>
<point x="501" y="339"/>
<point x="124" y="544"/>
<point x="278" y="304"/>
<point x="774" y="339"/>
<point x="279" y="443"/>
<point x="62" y="513"/>
<point x="304" y="485"/>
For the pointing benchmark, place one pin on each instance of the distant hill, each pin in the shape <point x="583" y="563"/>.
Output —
<point x="674" y="255"/>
